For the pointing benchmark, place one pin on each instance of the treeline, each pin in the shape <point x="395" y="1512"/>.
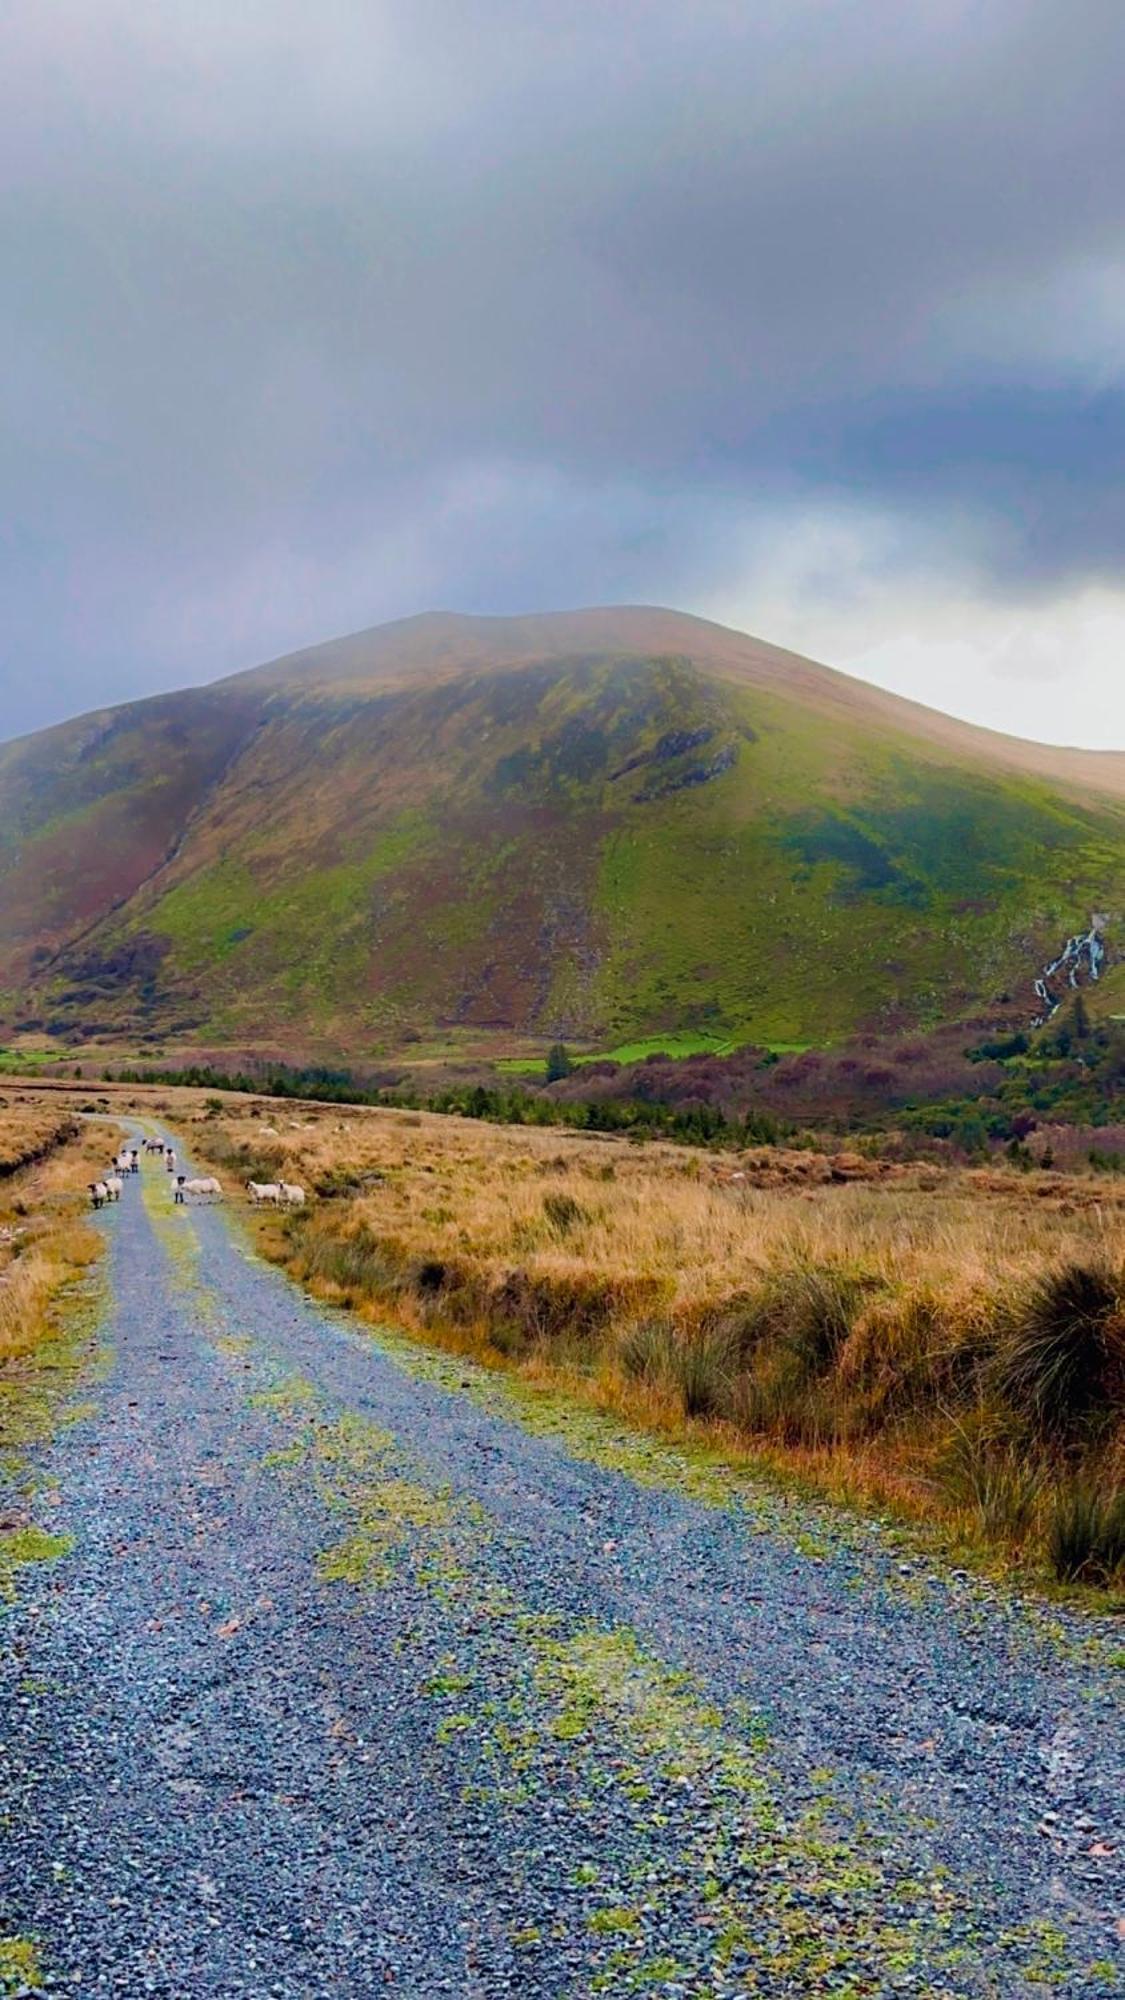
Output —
<point x="695" y="1124"/>
<point x="1072" y="1074"/>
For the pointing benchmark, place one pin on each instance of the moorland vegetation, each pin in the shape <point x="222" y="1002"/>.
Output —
<point x="47" y="1157"/>
<point x="946" y="1343"/>
<point x="1057" y="1094"/>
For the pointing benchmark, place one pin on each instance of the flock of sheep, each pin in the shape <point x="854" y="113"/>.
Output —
<point x="283" y="1194"/>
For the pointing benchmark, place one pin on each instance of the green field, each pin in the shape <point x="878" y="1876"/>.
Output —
<point x="16" y="1062"/>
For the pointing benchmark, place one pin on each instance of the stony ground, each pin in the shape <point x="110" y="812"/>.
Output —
<point x="367" y="1673"/>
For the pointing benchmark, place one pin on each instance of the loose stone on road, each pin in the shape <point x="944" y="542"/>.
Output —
<point x="365" y="1675"/>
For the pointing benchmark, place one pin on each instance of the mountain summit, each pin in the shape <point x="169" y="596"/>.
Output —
<point x="595" y="824"/>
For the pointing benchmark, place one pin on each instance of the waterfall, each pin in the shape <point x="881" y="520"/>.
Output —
<point x="1087" y="950"/>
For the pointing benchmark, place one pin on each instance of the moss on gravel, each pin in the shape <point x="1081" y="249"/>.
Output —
<point x="398" y="1519"/>
<point x="21" y="1547"/>
<point x="816" y="1529"/>
<point x="20" y="1967"/>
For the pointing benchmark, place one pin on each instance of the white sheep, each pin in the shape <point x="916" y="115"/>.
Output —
<point x="99" y="1193"/>
<point x="264" y="1191"/>
<point x="113" y="1185"/>
<point x="291" y="1193"/>
<point x="202" y="1188"/>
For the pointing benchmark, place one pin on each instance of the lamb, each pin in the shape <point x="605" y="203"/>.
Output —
<point x="113" y="1185"/>
<point x="99" y="1194"/>
<point x="202" y="1188"/>
<point x="134" y="1160"/>
<point x="264" y="1191"/>
<point x="291" y="1193"/>
<point x="121" y="1163"/>
<point x="170" y="1159"/>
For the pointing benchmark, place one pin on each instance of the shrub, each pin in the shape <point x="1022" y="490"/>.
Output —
<point x="1062" y="1366"/>
<point x="1086" y="1534"/>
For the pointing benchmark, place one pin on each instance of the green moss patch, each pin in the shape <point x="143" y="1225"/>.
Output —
<point x="21" y="1547"/>
<point x="20" y="1965"/>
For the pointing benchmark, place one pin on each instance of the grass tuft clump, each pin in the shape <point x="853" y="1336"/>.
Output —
<point x="1062" y="1366"/>
<point x="563" y="1212"/>
<point x="704" y="1365"/>
<point x="994" y="1478"/>
<point x="1086" y="1534"/>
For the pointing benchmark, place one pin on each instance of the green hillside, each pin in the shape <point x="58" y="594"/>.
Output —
<point x="354" y="850"/>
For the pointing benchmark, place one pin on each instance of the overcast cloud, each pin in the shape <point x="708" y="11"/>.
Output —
<point x="808" y="314"/>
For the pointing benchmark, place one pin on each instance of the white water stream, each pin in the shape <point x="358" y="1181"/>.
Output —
<point x="1086" y="950"/>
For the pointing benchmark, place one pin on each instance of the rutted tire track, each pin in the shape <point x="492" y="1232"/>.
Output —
<point x="354" y="1685"/>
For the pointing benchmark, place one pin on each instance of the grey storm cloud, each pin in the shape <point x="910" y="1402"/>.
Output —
<point x="313" y="316"/>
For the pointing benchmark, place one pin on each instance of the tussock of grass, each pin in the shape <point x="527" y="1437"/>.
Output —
<point x="1064" y="1361"/>
<point x="1086" y="1534"/>
<point x="992" y="1475"/>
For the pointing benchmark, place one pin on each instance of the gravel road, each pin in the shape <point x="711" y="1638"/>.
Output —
<point x="368" y="1673"/>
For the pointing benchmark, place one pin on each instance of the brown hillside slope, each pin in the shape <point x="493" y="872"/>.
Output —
<point x="595" y="824"/>
<point x="90" y="809"/>
<point x="441" y="645"/>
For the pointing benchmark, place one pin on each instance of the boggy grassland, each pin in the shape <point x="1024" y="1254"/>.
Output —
<point x="46" y="1245"/>
<point x="948" y="1345"/>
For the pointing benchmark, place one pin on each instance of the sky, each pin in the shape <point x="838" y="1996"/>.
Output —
<point x="807" y="315"/>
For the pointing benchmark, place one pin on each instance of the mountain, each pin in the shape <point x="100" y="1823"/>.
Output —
<point x="600" y="824"/>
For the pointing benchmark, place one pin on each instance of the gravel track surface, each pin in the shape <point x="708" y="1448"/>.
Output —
<point x="368" y="1674"/>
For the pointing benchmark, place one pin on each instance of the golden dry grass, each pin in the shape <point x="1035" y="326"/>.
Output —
<point x="838" y="1318"/>
<point x="30" y="1130"/>
<point x="844" y="1320"/>
<point x="447" y="1186"/>
<point x="45" y="1239"/>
